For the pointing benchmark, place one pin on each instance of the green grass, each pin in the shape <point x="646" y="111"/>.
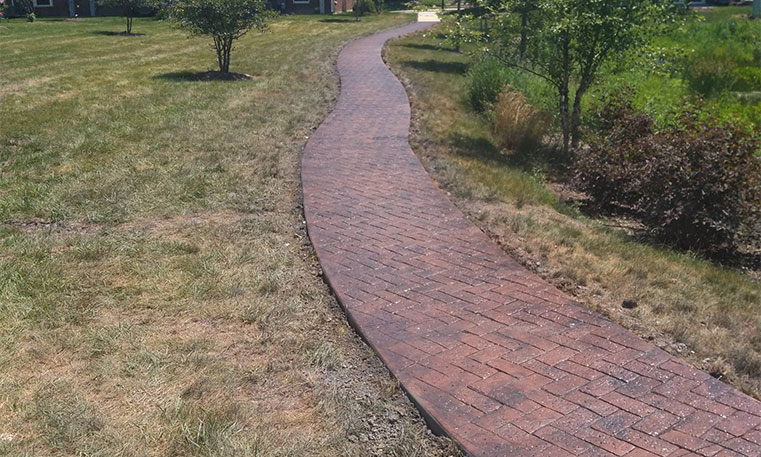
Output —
<point x="708" y="314"/>
<point x="726" y="12"/>
<point x="157" y="294"/>
<point x="715" y="55"/>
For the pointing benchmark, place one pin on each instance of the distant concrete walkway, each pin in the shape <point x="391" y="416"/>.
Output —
<point x="494" y="356"/>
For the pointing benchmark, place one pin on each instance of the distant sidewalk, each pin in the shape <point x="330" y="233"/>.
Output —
<point x="428" y="16"/>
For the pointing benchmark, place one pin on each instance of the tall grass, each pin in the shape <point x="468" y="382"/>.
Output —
<point x="715" y="56"/>
<point x="518" y="125"/>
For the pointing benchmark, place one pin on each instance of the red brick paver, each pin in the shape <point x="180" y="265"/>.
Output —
<point x="495" y="357"/>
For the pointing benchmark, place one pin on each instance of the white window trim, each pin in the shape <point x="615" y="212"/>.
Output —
<point x="299" y="2"/>
<point x="42" y="6"/>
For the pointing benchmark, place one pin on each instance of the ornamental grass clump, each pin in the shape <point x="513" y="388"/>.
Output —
<point x="518" y="125"/>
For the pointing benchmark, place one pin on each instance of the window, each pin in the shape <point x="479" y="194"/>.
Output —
<point x="43" y="3"/>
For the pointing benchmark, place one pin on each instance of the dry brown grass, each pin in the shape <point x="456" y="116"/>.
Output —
<point x="518" y="125"/>
<point x="158" y="295"/>
<point x="707" y="314"/>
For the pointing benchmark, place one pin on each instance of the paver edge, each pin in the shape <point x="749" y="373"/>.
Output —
<point x="435" y="426"/>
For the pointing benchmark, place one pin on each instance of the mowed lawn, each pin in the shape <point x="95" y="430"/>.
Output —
<point x="708" y="314"/>
<point x="158" y="296"/>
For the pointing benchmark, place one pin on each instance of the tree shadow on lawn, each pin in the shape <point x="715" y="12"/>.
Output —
<point x="547" y="158"/>
<point x="332" y="21"/>
<point x="427" y="47"/>
<point x="110" y="33"/>
<point x="202" y="76"/>
<point x="436" y="66"/>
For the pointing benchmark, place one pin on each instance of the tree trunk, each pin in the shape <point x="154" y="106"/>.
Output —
<point x="223" y="46"/>
<point x="483" y="26"/>
<point x="565" y="120"/>
<point x="524" y="31"/>
<point x="459" y="25"/>
<point x="576" y="115"/>
<point x="129" y="25"/>
<point x="218" y="49"/>
<point x="228" y="50"/>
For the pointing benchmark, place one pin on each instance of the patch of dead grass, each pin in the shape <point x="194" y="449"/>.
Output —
<point x="159" y="296"/>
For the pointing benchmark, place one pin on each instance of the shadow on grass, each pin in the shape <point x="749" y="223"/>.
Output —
<point x="558" y="167"/>
<point x="176" y="76"/>
<point x="110" y="33"/>
<point x="427" y="47"/>
<point x="547" y="158"/>
<point x="436" y="66"/>
<point x="196" y="76"/>
<point x="332" y="21"/>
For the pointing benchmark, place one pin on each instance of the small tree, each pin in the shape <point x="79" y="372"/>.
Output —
<point x="224" y="20"/>
<point x="130" y="9"/>
<point x="22" y="8"/>
<point x="565" y="42"/>
<point x="363" y="6"/>
<point x="458" y="30"/>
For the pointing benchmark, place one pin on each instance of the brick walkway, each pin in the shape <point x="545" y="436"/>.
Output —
<point x="500" y="360"/>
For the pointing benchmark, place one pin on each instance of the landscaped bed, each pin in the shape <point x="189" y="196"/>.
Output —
<point x="158" y="295"/>
<point x="707" y="313"/>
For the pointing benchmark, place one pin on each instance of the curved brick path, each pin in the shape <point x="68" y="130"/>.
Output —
<point x="497" y="358"/>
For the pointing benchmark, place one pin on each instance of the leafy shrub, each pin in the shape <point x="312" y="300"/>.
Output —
<point x="130" y="9"/>
<point x="20" y="8"/>
<point x="747" y="79"/>
<point x="517" y="124"/>
<point x="162" y="14"/>
<point x="365" y="6"/>
<point x="486" y="80"/>
<point x="697" y="186"/>
<point x="31" y="17"/>
<point x="224" y="20"/>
